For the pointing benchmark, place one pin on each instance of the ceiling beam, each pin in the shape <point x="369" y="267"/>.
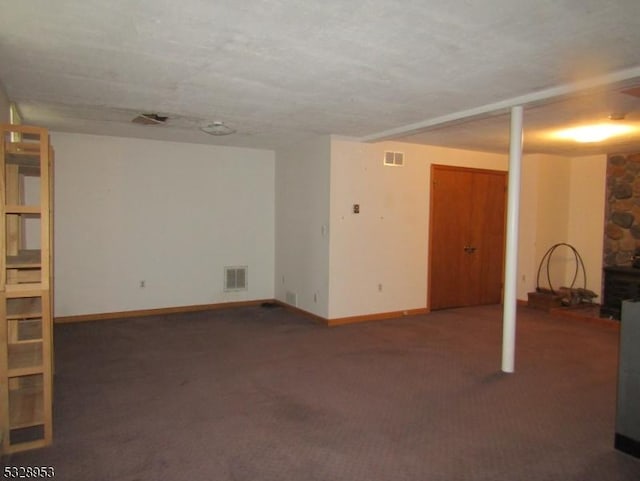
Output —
<point x="618" y="77"/>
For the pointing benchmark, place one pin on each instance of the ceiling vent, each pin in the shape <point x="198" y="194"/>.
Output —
<point x="394" y="159"/>
<point x="150" y="119"/>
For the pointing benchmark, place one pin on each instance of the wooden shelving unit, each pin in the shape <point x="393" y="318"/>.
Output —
<point x="26" y="337"/>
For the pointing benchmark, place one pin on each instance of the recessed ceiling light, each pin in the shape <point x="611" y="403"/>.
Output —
<point x="593" y="133"/>
<point x="217" y="128"/>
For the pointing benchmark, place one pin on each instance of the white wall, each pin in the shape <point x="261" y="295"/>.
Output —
<point x="387" y="243"/>
<point x="168" y="213"/>
<point x="302" y="225"/>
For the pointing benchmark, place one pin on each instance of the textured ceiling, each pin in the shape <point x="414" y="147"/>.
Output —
<point x="281" y="70"/>
<point x="542" y="120"/>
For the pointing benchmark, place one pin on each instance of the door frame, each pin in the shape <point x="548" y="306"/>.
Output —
<point x="435" y="167"/>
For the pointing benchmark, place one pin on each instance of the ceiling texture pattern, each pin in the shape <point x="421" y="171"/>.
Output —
<point x="279" y="71"/>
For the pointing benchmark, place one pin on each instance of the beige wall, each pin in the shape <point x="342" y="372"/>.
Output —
<point x="4" y="105"/>
<point x="553" y="200"/>
<point x="586" y="215"/>
<point x="562" y="201"/>
<point x="386" y="245"/>
<point x="528" y="228"/>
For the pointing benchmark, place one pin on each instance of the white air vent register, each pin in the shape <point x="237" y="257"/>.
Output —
<point x="235" y="278"/>
<point x="394" y="159"/>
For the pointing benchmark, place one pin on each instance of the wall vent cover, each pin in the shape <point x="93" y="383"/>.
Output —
<point x="394" y="158"/>
<point x="235" y="278"/>
<point x="291" y="298"/>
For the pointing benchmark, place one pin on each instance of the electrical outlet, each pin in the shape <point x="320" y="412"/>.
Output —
<point x="356" y="208"/>
<point x="143" y="284"/>
<point x="379" y="287"/>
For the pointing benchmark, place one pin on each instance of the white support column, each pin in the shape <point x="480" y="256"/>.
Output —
<point x="511" y="260"/>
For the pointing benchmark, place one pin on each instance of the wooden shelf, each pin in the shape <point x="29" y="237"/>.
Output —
<point x="24" y="268"/>
<point x="25" y="329"/>
<point x="26" y="158"/>
<point x="26" y="345"/>
<point x="24" y="276"/>
<point x="24" y="308"/>
<point x="22" y="209"/>
<point x="23" y="290"/>
<point x="26" y="259"/>
<point x="23" y="148"/>
<point x="23" y="159"/>
<point x="24" y="358"/>
<point x="26" y="404"/>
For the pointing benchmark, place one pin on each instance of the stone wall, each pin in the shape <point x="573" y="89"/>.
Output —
<point x="622" y="209"/>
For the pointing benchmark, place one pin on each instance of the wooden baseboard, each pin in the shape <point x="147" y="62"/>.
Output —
<point x="354" y="319"/>
<point x="222" y="305"/>
<point x="155" y="312"/>
<point x="207" y="307"/>
<point x="339" y="321"/>
<point x="317" y="318"/>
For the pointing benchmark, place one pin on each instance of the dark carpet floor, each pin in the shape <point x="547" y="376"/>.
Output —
<point x="252" y="394"/>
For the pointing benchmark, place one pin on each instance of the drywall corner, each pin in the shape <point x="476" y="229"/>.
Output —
<point x="4" y="105"/>
<point x="302" y="225"/>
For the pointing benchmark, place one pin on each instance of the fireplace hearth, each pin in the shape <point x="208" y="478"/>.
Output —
<point x="620" y="283"/>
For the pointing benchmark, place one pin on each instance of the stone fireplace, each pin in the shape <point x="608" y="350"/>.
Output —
<point x="621" y="232"/>
<point x="622" y="209"/>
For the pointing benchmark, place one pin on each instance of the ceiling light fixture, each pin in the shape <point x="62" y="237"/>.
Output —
<point x="617" y="116"/>
<point x="593" y="133"/>
<point x="217" y="128"/>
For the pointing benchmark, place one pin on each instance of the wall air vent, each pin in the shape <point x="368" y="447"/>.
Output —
<point x="291" y="298"/>
<point x="150" y="119"/>
<point x="395" y="159"/>
<point x="235" y="278"/>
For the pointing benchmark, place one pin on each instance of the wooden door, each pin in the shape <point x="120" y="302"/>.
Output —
<point x="467" y="236"/>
